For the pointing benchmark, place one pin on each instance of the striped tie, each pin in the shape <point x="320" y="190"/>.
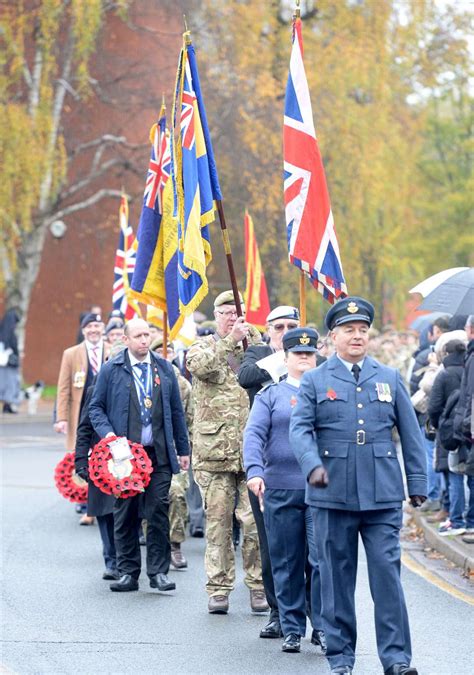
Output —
<point x="94" y="360"/>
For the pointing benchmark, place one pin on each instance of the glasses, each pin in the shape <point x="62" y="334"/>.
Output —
<point x="230" y="312"/>
<point x="281" y="326"/>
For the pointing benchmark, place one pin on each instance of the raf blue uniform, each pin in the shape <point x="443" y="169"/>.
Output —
<point x="346" y="426"/>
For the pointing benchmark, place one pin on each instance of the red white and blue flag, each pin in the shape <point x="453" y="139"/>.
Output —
<point x="312" y="241"/>
<point x="124" y="266"/>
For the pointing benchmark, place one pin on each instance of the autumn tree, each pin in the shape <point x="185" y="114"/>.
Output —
<point x="47" y="48"/>
<point x="370" y="66"/>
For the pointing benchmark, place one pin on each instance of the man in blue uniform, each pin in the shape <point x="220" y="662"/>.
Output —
<point x="341" y="433"/>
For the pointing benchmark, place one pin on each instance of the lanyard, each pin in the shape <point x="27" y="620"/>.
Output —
<point x="145" y="391"/>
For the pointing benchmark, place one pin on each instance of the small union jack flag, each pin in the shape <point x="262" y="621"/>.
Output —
<point x="159" y="167"/>
<point x="312" y="241"/>
<point x="124" y="266"/>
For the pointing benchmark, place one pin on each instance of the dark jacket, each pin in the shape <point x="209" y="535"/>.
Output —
<point x="109" y="409"/>
<point x="447" y="380"/>
<point x="98" y="503"/>
<point x="251" y="377"/>
<point x="462" y="420"/>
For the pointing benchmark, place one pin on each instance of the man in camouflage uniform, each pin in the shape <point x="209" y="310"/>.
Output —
<point x="221" y="410"/>
<point x="178" y="511"/>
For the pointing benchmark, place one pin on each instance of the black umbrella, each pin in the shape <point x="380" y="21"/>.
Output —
<point x="455" y="295"/>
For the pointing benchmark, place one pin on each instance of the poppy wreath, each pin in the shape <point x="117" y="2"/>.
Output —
<point x="102" y="477"/>
<point x="70" y="485"/>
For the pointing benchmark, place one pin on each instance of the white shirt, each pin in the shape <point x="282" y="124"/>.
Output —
<point x="293" y="381"/>
<point x="147" y="433"/>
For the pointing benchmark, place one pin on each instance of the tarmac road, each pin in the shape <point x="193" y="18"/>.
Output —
<point x="58" y="616"/>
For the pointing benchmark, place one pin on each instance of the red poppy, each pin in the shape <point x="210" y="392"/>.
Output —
<point x="106" y="482"/>
<point x="157" y="379"/>
<point x="293" y="401"/>
<point x="70" y="486"/>
<point x="331" y="394"/>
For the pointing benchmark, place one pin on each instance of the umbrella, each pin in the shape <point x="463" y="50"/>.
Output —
<point x="429" y="284"/>
<point x="425" y="320"/>
<point x="455" y="295"/>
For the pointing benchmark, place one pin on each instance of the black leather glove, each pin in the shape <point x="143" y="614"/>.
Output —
<point x="417" y="500"/>
<point x="319" y="477"/>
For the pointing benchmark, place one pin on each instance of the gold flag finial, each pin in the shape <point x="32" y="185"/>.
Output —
<point x="297" y="13"/>
<point x="187" y="32"/>
<point x="163" y="104"/>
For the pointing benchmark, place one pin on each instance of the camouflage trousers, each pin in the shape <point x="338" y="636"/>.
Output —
<point x="219" y="491"/>
<point x="178" y="512"/>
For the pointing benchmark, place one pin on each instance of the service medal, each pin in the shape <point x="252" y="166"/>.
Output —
<point x="148" y="402"/>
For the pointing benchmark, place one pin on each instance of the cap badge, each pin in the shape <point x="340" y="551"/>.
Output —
<point x="304" y="339"/>
<point x="352" y="307"/>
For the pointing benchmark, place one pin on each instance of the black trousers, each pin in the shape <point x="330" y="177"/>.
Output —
<point x="267" y="575"/>
<point x="154" y="505"/>
<point x="106" y="528"/>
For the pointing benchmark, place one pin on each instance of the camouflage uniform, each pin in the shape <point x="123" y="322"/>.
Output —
<point x="221" y="410"/>
<point x="178" y="511"/>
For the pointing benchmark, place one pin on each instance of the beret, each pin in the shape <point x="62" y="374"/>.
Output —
<point x="226" y="298"/>
<point x="284" y="312"/>
<point x="90" y="318"/>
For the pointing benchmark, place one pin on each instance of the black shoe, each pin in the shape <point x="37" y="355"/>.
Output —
<point x="319" y="639"/>
<point x="291" y="643"/>
<point x="272" y="629"/>
<point x="341" y="670"/>
<point x="197" y="532"/>
<point x="162" y="583"/>
<point x="401" y="669"/>
<point x="126" y="583"/>
<point x="8" y="409"/>
<point x="110" y="575"/>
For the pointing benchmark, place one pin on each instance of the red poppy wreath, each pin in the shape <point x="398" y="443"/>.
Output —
<point x="123" y="479"/>
<point x="70" y="485"/>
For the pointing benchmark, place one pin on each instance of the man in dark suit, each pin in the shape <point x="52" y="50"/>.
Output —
<point x="137" y="396"/>
<point x="341" y="433"/>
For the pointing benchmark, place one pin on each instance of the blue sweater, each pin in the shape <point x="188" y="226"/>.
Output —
<point x="267" y="450"/>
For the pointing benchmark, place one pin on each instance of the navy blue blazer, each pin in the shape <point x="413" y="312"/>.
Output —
<point x="110" y="405"/>
<point x="343" y="425"/>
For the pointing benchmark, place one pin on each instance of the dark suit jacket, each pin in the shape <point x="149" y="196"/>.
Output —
<point x="98" y="503"/>
<point x="114" y="397"/>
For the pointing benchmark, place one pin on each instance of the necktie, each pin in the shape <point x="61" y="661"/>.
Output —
<point x="356" y="371"/>
<point x="146" y="412"/>
<point x="94" y="360"/>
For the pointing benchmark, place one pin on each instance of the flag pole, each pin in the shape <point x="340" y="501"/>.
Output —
<point x="165" y="335"/>
<point x="230" y="262"/>
<point x="302" y="299"/>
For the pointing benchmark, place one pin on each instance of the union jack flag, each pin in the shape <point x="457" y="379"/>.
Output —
<point x="312" y="241"/>
<point x="124" y="266"/>
<point x="159" y="167"/>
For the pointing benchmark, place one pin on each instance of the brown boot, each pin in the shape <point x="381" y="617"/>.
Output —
<point x="258" y="601"/>
<point x="178" y="560"/>
<point x="87" y="520"/>
<point x="438" y="517"/>
<point x="218" y="604"/>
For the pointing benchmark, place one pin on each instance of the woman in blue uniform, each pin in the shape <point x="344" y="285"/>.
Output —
<point x="274" y="476"/>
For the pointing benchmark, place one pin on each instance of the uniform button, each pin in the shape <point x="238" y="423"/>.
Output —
<point x="361" y="421"/>
<point x="358" y="388"/>
<point x="326" y="452"/>
<point x="389" y="452"/>
<point x="359" y="405"/>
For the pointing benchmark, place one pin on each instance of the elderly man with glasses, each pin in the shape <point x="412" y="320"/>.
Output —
<point x="221" y="411"/>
